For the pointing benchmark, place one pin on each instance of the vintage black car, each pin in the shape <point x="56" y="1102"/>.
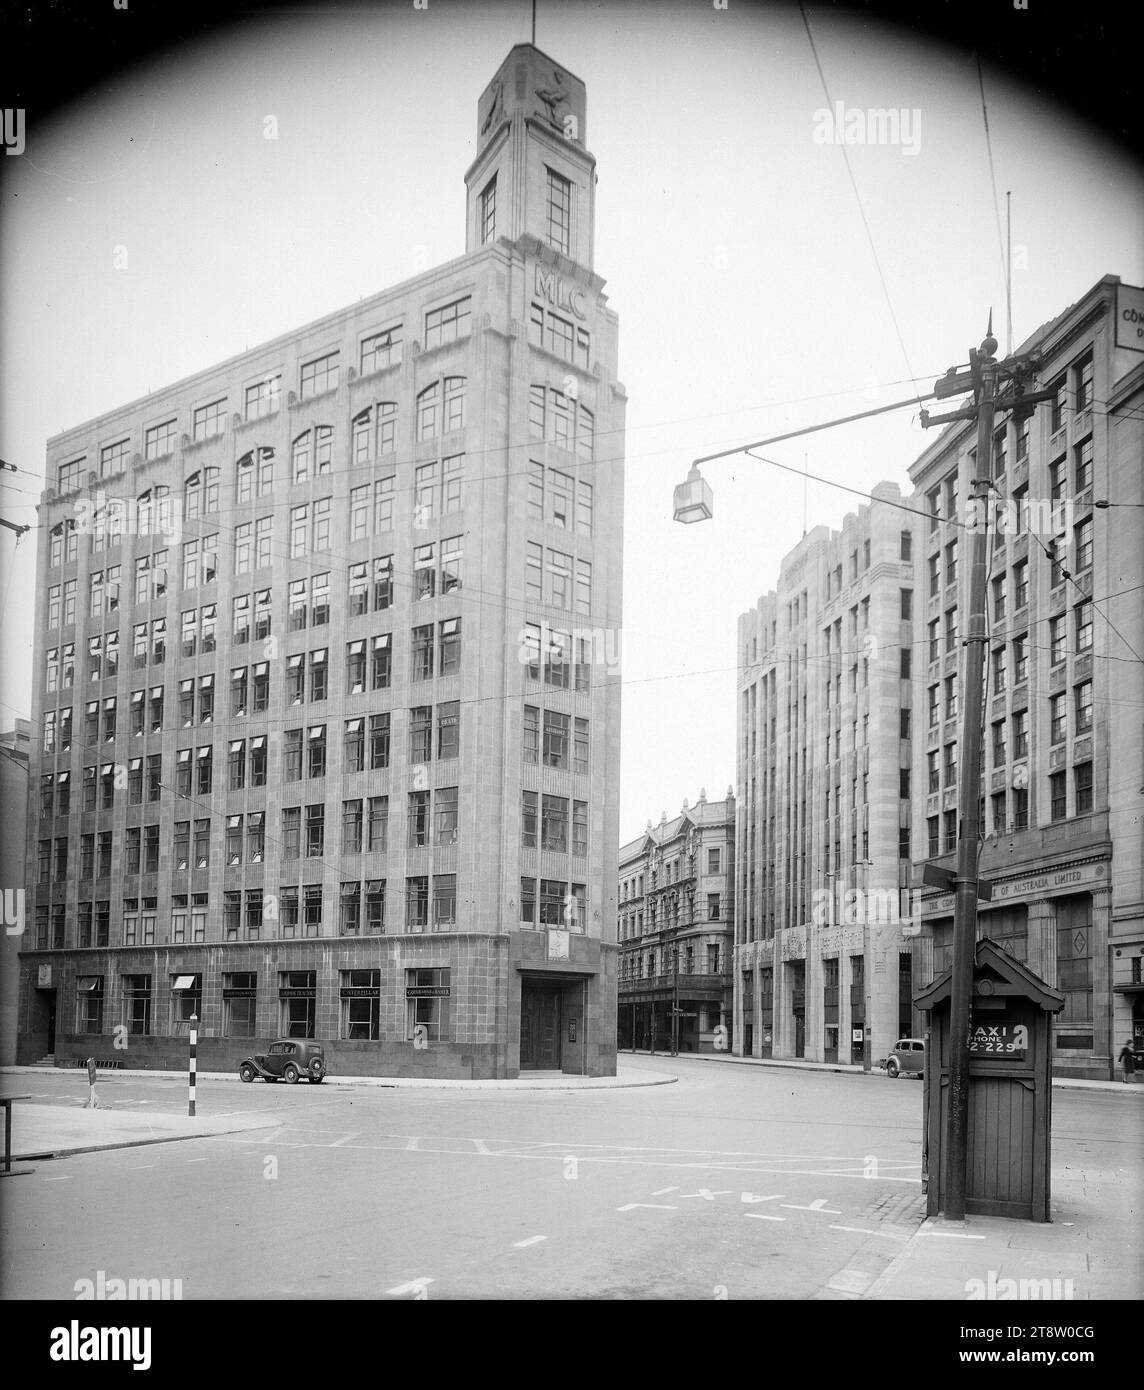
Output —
<point x="908" y="1058"/>
<point x="287" y="1059"/>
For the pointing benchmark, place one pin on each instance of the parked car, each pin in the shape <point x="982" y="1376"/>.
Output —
<point x="287" y="1059"/>
<point x="909" y="1056"/>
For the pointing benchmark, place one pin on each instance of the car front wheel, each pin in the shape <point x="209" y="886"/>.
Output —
<point x="246" y="1072"/>
<point x="290" y="1073"/>
<point x="892" y="1068"/>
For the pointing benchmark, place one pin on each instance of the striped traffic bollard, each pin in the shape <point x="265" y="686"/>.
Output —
<point x="194" y="1038"/>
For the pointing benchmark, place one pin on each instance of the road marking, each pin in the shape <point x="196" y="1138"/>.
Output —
<point x="762" y="1216"/>
<point x="139" y="1166"/>
<point x="663" y="1191"/>
<point x="819" y="1204"/>
<point x="750" y="1197"/>
<point x="661" y="1206"/>
<point x="707" y="1194"/>
<point x="479" y="1146"/>
<point x="551" y="1150"/>
<point x="198" y="1160"/>
<point x="532" y="1240"/>
<point x="63" y="1177"/>
<point x="855" y="1230"/>
<point x="337" y="1144"/>
<point x="420" y="1287"/>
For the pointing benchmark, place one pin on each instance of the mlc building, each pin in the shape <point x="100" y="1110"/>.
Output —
<point x="325" y="727"/>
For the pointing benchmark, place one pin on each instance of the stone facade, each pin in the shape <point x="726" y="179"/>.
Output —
<point x="387" y="553"/>
<point x="850" y="689"/>
<point x="824" y="733"/>
<point x="1062" y="769"/>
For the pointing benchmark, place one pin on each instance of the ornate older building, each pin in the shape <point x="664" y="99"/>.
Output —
<point x="676" y="921"/>
<point x="324" y="691"/>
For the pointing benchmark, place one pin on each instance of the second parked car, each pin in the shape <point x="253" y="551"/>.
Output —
<point x="909" y="1056"/>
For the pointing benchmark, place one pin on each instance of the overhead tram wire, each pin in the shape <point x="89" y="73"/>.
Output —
<point x="858" y="199"/>
<point x="1006" y="269"/>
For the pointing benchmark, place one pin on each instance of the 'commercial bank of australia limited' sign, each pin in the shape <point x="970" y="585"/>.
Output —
<point x="1036" y="885"/>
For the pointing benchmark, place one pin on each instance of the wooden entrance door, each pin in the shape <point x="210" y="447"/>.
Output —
<point x="539" y="1028"/>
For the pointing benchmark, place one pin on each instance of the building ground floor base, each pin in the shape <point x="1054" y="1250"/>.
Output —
<point x="462" y="1006"/>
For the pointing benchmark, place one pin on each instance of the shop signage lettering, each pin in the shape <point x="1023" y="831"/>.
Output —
<point x="239" y="993"/>
<point x="361" y="992"/>
<point x="286" y="993"/>
<point x="427" y="992"/>
<point x="1022" y="887"/>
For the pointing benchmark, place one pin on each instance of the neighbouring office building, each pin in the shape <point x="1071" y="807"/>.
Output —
<point x="326" y="691"/>
<point x="1063" y="748"/>
<point x="823" y="957"/>
<point x="850" y="691"/>
<point x="676" y="907"/>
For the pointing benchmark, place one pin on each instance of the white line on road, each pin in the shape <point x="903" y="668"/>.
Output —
<point x="62" y="1177"/>
<point x="762" y="1216"/>
<point x="138" y="1166"/>
<point x="412" y="1145"/>
<point x="663" y="1191"/>
<point x="819" y="1204"/>
<point x="532" y="1240"/>
<point x="661" y="1206"/>
<point x="198" y="1160"/>
<point x="345" y="1139"/>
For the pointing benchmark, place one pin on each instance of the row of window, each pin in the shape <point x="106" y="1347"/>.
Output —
<point x="426" y="991"/>
<point x="674" y="871"/>
<point x="673" y="913"/>
<point x="637" y="965"/>
<point x="545" y="823"/>
<point x="304" y="753"/>
<point x="442" y="325"/>
<point x="1009" y="808"/>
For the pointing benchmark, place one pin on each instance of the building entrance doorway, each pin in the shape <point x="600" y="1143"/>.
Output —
<point x="51" y="1001"/>
<point x="540" y="1028"/>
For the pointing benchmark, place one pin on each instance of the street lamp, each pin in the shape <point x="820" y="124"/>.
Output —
<point x="693" y="500"/>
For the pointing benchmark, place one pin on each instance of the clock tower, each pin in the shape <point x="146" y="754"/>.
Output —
<point x="533" y="174"/>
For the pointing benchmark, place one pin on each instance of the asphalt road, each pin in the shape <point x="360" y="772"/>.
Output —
<point x="736" y="1182"/>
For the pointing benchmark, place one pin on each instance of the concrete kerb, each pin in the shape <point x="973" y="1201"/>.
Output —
<point x="543" y="1082"/>
<point x="53" y="1131"/>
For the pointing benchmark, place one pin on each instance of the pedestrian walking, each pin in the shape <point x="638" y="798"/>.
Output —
<point x="1127" y="1060"/>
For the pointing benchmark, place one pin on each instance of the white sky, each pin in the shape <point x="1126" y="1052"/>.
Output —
<point x="731" y="242"/>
